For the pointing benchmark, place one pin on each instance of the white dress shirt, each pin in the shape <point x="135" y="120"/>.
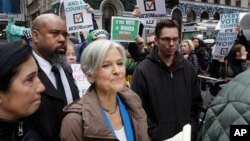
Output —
<point x="46" y="67"/>
<point x="120" y="134"/>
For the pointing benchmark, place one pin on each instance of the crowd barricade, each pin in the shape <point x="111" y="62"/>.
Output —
<point x="212" y="87"/>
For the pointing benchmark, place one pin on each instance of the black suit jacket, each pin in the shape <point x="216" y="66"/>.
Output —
<point x="45" y="123"/>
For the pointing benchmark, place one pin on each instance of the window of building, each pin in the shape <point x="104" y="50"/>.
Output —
<point x="228" y="2"/>
<point x="33" y="16"/>
<point x="191" y="16"/>
<point x="216" y="16"/>
<point x="204" y="16"/>
<point x="177" y="16"/>
<point x="238" y="3"/>
<point x="204" y="1"/>
<point x="217" y="1"/>
<point x="108" y="11"/>
<point x="10" y="6"/>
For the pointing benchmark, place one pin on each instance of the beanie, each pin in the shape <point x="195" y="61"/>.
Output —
<point x="98" y="33"/>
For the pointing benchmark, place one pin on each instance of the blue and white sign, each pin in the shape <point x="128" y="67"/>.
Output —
<point x="227" y="35"/>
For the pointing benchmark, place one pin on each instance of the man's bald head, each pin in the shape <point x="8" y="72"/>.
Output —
<point x="49" y="37"/>
<point x="44" y="18"/>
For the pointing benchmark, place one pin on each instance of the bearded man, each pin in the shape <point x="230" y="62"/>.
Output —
<point x="49" y="36"/>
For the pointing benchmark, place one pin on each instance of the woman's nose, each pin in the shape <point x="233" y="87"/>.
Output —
<point x="40" y="87"/>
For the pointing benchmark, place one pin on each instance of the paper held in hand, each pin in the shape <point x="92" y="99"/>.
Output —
<point x="184" y="135"/>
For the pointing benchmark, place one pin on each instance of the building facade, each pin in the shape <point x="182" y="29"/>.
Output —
<point x="10" y="9"/>
<point x="186" y="11"/>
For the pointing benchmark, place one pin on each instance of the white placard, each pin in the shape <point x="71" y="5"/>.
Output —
<point x="227" y="35"/>
<point x="80" y="79"/>
<point x="152" y="8"/>
<point x="184" y="135"/>
<point x="149" y="23"/>
<point x="77" y="17"/>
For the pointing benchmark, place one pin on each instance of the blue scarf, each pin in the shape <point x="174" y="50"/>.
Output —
<point x="125" y="119"/>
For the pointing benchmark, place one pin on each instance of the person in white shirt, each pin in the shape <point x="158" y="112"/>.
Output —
<point x="49" y="36"/>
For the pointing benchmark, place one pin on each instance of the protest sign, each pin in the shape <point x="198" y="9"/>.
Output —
<point x="227" y="35"/>
<point x="124" y="29"/>
<point x="229" y="22"/>
<point x="77" y="17"/>
<point x="244" y="21"/>
<point x="152" y="8"/>
<point x="149" y="23"/>
<point x="80" y="79"/>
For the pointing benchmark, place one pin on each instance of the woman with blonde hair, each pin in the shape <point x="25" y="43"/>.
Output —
<point x="71" y="53"/>
<point x="188" y="53"/>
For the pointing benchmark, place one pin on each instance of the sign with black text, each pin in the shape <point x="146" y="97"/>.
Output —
<point x="77" y="17"/>
<point x="227" y="35"/>
<point x="149" y="23"/>
<point x="152" y="8"/>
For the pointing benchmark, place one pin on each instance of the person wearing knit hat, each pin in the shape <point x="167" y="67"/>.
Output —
<point x="93" y="35"/>
<point x="27" y="37"/>
<point x="97" y="34"/>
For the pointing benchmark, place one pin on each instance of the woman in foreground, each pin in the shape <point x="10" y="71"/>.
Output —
<point x="109" y="110"/>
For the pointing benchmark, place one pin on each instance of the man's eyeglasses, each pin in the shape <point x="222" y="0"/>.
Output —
<point x="168" y="40"/>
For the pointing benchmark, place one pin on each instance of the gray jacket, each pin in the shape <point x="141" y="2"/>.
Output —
<point x="230" y="107"/>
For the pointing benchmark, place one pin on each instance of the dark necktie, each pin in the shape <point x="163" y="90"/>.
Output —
<point x="59" y="84"/>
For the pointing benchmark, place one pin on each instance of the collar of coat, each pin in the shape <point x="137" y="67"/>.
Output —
<point x="93" y="122"/>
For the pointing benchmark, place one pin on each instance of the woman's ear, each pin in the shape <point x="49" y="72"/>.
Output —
<point x="90" y="78"/>
<point x="238" y="54"/>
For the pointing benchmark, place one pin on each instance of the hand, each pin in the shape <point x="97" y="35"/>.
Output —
<point x="221" y="59"/>
<point x="139" y="41"/>
<point x="136" y="12"/>
<point x="239" y="29"/>
<point x="186" y="56"/>
<point x="89" y="8"/>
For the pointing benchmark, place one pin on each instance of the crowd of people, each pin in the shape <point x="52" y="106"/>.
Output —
<point x="39" y="99"/>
